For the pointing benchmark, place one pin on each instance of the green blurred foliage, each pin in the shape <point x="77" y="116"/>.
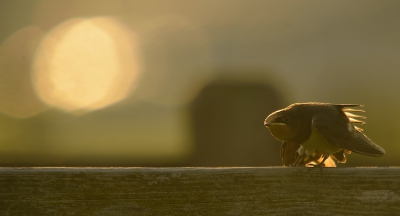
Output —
<point x="325" y="51"/>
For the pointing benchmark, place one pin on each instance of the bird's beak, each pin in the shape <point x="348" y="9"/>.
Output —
<point x="268" y="124"/>
<point x="269" y="121"/>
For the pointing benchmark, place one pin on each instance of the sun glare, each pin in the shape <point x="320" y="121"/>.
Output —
<point x="17" y="97"/>
<point x="85" y="64"/>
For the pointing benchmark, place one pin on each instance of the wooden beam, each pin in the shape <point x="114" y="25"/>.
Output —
<point x="199" y="191"/>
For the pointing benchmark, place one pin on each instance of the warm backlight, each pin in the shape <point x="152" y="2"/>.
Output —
<point x="84" y="65"/>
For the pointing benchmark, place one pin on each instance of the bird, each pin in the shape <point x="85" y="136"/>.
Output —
<point x="314" y="133"/>
<point x="289" y="155"/>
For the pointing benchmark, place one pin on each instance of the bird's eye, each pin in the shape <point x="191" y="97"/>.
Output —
<point x="283" y="119"/>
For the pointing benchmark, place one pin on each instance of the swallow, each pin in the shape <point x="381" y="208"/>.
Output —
<point x="313" y="132"/>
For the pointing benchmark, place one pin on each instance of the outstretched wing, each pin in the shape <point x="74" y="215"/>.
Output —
<point x="337" y="127"/>
<point x="353" y="118"/>
<point x="289" y="153"/>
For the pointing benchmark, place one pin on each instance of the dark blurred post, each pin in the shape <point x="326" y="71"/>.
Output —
<point x="227" y="124"/>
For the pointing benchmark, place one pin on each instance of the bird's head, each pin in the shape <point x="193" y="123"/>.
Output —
<point x="285" y="124"/>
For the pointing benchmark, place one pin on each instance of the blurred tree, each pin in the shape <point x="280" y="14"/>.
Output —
<point x="227" y="122"/>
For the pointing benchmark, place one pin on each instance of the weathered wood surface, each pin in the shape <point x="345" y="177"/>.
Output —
<point x="199" y="191"/>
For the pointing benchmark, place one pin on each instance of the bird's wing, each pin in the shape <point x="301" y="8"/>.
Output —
<point x="353" y="118"/>
<point x="289" y="153"/>
<point x="338" y="130"/>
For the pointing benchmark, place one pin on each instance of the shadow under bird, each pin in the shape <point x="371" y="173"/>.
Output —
<point x="313" y="132"/>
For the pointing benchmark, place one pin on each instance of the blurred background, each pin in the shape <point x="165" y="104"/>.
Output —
<point x="187" y="83"/>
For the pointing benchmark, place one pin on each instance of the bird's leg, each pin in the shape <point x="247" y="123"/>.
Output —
<point x="324" y="158"/>
<point x="299" y="159"/>
<point x="321" y="164"/>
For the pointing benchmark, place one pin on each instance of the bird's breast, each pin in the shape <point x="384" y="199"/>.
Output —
<point x="281" y="132"/>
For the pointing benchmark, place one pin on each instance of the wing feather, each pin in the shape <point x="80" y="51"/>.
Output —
<point x="289" y="153"/>
<point x="334" y="126"/>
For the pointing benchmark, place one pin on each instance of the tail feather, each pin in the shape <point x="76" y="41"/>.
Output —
<point x="363" y="145"/>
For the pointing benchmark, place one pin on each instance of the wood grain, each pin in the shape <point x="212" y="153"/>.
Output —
<point x="200" y="191"/>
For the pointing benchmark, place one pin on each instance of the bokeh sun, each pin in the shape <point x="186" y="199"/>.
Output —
<point x="86" y="64"/>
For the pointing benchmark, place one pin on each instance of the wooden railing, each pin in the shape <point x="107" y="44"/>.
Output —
<point x="200" y="191"/>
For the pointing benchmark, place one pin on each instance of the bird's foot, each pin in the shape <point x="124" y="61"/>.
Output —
<point x="296" y="165"/>
<point x="319" y="165"/>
